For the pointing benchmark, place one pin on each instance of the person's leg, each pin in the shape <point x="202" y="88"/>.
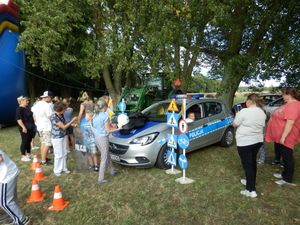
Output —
<point x="23" y="144"/>
<point x="9" y="204"/>
<point x="246" y="158"/>
<point x="288" y="163"/>
<point x="262" y="154"/>
<point x="28" y="142"/>
<point x="45" y="144"/>
<point x="100" y="142"/>
<point x="254" y="151"/>
<point x="58" y="155"/>
<point x="277" y="153"/>
<point x="64" y="154"/>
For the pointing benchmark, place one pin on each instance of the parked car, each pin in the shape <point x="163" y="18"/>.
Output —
<point x="272" y="106"/>
<point x="267" y="99"/>
<point x="146" y="145"/>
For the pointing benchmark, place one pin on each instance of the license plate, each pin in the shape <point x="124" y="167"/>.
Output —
<point x="115" y="157"/>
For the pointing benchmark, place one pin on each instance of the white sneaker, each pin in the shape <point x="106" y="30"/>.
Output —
<point x="24" y="158"/>
<point x="277" y="175"/>
<point x="243" y="182"/>
<point x="67" y="171"/>
<point x="245" y="192"/>
<point x="252" y="194"/>
<point x="283" y="182"/>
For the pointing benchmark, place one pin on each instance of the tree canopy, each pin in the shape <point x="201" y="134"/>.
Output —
<point x="115" y="40"/>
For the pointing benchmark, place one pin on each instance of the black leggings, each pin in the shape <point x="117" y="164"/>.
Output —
<point x="26" y="140"/>
<point x="288" y="162"/>
<point x="248" y="157"/>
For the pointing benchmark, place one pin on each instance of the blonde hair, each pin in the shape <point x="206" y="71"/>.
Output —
<point x="84" y="96"/>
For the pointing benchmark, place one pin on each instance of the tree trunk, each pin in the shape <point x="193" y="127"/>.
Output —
<point x="233" y="75"/>
<point x="109" y="85"/>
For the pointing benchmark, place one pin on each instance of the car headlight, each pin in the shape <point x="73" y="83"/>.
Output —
<point x="144" y="140"/>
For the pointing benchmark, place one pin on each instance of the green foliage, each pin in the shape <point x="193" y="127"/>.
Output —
<point x="203" y="84"/>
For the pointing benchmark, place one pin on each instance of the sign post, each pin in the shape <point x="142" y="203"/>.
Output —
<point x="172" y="120"/>
<point x="183" y="142"/>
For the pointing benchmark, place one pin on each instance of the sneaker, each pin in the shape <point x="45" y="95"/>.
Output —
<point x="259" y="162"/>
<point x="29" y="156"/>
<point x="115" y="172"/>
<point x="44" y="163"/>
<point x="252" y="194"/>
<point x="91" y="168"/>
<point x="25" y="158"/>
<point x="245" y="192"/>
<point x="96" y="168"/>
<point x="275" y="162"/>
<point x="277" y="175"/>
<point x="57" y="174"/>
<point x="243" y="182"/>
<point x="101" y="182"/>
<point x="67" y="171"/>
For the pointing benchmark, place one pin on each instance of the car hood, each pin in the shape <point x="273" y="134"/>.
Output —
<point x="149" y="127"/>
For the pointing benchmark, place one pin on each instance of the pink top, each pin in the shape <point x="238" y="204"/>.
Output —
<point x="275" y="126"/>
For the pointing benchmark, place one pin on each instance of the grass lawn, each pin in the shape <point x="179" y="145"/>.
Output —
<point x="150" y="196"/>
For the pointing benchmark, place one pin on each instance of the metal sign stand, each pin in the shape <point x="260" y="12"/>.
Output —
<point x="173" y="170"/>
<point x="183" y="165"/>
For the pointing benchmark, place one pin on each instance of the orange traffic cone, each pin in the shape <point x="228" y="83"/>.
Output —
<point x="34" y="162"/>
<point x="36" y="194"/>
<point x="58" y="201"/>
<point x="39" y="175"/>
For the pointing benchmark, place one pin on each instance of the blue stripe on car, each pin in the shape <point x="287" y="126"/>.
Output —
<point x="211" y="127"/>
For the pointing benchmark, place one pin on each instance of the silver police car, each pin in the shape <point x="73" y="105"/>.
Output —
<point x="146" y="144"/>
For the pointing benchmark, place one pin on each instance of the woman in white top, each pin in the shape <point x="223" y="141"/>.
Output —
<point x="250" y="123"/>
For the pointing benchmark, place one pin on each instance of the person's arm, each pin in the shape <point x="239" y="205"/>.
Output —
<point x="80" y="112"/>
<point x="65" y="126"/>
<point x="287" y="129"/>
<point x="21" y="124"/>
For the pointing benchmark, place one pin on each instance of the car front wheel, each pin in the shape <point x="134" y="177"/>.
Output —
<point x="161" y="161"/>
<point x="228" y="137"/>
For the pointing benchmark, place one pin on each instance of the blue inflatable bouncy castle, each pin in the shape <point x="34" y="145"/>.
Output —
<point x="12" y="62"/>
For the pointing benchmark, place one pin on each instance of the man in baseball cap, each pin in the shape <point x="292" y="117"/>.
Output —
<point x="41" y="114"/>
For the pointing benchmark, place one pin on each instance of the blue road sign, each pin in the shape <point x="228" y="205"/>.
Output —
<point x="122" y="106"/>
<point x="172" y="119"/>
<point x="183" y="141"/>
<point x="171" y="158"/>
<point x="182" y="161"/>
<point x="172" y="141"/>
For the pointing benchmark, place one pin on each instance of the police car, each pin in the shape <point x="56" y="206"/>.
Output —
<point x="146" y="144"/>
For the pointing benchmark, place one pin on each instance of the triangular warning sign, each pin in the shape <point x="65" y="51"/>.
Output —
<point x="173" y="106"/>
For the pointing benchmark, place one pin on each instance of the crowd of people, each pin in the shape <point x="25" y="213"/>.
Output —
<point x="54" y="123"/>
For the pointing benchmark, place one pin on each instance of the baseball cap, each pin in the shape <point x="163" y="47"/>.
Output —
<point x="46" y="94"/>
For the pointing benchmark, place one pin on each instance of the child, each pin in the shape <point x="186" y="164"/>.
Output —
<point x="8" y="188"/>
<point x="59" y="138"/>
<point x="191" y="117"/>
<point x="89" y="140"/>
<point x="68" y="116"/>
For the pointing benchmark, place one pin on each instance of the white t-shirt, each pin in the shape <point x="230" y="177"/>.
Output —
<point x="42" y="112"/>
<point x="8" y="169"/>
<point x="251" y="122"/>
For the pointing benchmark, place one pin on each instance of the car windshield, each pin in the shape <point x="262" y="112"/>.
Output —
<point x="158" y="112"/>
